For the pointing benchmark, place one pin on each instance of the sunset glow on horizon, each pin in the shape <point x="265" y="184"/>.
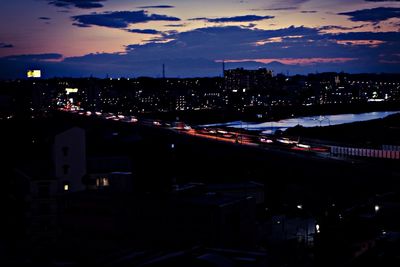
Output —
<point x="129" y="38"/>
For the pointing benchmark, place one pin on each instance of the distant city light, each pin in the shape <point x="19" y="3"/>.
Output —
<point x="377" y="208"/>
<point x="317" y="227"/>
<point x="71" y="90"/>
<point x="66" y="187"/>
<point x="34" y="74"/>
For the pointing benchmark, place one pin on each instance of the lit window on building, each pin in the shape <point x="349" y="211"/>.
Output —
<point x="66" y="186"/>
<point x="102" y="182"/>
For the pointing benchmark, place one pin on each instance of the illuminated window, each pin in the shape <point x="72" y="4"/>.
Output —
<point x="102" y="182"/>
<point x="66" y="186"/>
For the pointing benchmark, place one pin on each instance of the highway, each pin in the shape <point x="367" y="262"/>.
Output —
<point x="221" y="134"/>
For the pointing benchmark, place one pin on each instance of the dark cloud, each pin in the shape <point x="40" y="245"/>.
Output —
<point x="118" y="19"/>
<point x="175" y="25"/>
<point x="85" y="4"/>
<point x="198" y="52"/>
<point x="250" y="25"/>
<point x="34" y="57"/>
<point x="44" y="18"/>
<point x="236" y="42"/>
<point x="81" y="25"/>
<point x="278" y="5"/>
<point x="277" y="8"/>
<point x="159" y="6"/>
<point x="4" y="45"/>
<point x="393" y="38"/>
<point x="146" y="31"/>
<point x="309" y="11"/>
<point x="336" y="27"/>
<point x="193" y="52"/>
<point x="373" y="15"/>
<point x="382" y="0"/>
<point x="246" y="18"/>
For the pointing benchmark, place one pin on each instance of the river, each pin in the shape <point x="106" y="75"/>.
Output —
<point x="312" y="121"/>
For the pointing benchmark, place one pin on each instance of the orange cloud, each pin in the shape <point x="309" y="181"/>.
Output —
<point x="371" y="43"/>
<point x="292" y="61"/>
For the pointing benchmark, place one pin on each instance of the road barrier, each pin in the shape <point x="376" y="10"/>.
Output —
<point x="391" y="147"/>
<point x="364" y="152"/>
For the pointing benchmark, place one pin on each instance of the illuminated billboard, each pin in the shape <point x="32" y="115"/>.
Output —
<point x="34" y="74"/>
<point x="71" y="90"/>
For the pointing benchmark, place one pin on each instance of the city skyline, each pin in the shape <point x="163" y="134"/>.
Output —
<point x="134" y="38"/>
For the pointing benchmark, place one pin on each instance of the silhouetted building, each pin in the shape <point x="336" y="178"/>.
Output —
<point x="110" y="173"/>
<point x="69" y="156"/>
<point x="44" y="179"/>
<point x="162" y="221"/>
<point x="245" y="86"/>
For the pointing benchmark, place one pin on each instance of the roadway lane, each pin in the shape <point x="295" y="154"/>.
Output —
<point x="219" y="134"/>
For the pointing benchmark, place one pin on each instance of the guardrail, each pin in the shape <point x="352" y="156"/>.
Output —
<point x="391" y="147"/>
<point x="364" y="152"/>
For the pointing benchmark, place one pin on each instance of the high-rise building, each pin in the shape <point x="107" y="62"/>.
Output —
<point x="241" y="79"/>
<point x="242" y="84"/>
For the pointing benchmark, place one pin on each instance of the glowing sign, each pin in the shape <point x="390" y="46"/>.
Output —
<point x="34" y="74"/>
<point x="71" y="90"/>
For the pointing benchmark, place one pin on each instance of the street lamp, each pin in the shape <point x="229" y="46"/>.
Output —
<point x="377" y="208"/>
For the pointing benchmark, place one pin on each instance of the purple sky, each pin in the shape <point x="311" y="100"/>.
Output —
<point x="134" y="38"/>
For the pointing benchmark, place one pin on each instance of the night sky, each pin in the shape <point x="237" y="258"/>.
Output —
<point x="131" y="38"/>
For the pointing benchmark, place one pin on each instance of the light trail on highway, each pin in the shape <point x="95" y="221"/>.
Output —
<point x="218" y="134"/>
